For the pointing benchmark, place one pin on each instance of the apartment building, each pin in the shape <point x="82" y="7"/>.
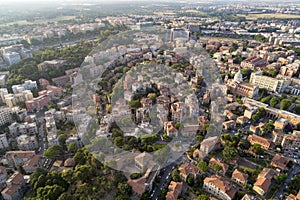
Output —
<point x="5" y="115"/>
<point x="269" y="83"/>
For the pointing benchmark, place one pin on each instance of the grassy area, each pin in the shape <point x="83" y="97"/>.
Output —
<point x="44" y="21"/>
<point x="269" y="16"/>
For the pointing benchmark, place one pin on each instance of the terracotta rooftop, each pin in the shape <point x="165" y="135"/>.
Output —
<point x="279" y="161"/>
<point x="260" y="140"/>
<point x="33" y="162"/>
<point x="10" y="190"/>
<point x="239" y="175"/>
<point x="15" y="178"/>
<point x="220" y="163"/>
<point x="20" y="154"/>
<point x="222" y="184"/>
<point x="263" y="183"/>
<point x="175" y="189"/>
<point x="187" y="168"/>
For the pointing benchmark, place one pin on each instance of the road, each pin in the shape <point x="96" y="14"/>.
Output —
<point x="166" y="176"/>
<point x="292" y="173"/>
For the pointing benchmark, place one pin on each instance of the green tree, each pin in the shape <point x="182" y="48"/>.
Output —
<point x="203" y="166"/>
<point x="297" y="109"/>
<point x="175" y="175"/>
<point x="124" y="188"/>
<point x="244" y="144"/>
<point x="256" y="148"/>
<point x="79" y="157"/>
<point x="50" y="192"/>
<point x="54" y="151"/>
<point x="177" y="125"/>
<point x="135" y="104"/>
<point x="62" y="139"/>
<point x="230" y="153"/>
<point x="72" y="147"/>
<point x="266" y="99"/>
<point x="285" y="104"/>
<point x="190" y="180"/>
<point x="118" y="141"/>
<point x="274" y="101"/>
<point x="202" y="197"/>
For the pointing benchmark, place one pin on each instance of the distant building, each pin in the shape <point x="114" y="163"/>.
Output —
<point x="37" y="103"/>
<point x="11" y="58"/>
<point x="17" y="158"/>
<point x="56" y="64"/>
<point x="254" y="62"/>
<point x="269" y="83"/>
<point x="61" y="81"/>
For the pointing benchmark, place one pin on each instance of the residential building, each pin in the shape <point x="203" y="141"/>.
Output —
<point x="269" y="83"/>
<point x="3" y="176"/>
<point x="17" y="158"/>
<point x="13" y="99"/>
<point x="27" y="85"/>
<point x="17" y="129"/>
<point x="174" y="190"/>
<point x="280" y="162"/>
<point x="32" y="164"/>
<point x="187" y="169"/>
<point x="27" y="143"/>
<point x="224" y="166"/>
<point x="264" y="181"/>
<point x="239" y="177"/>
<point x="170" y="129"/>
<point x="254" y="62"/>
<point x="5" y="116"/>
<point x="229" y="124"/>
<point x="37" y="103"/>
<point x="3" y="141"/>
<point x="242" y="120"/>
<point x="11" y="58"/>
<point x="61" y="80"/>
<point x="287" y="141"/>
<point x="12" y="192"/>
<point x="51" y="64"/>
<point x="265" y="143"/>
<point x="219" y="187"/>
<point x="210" y="144"/>
<point x="177" y="110"/>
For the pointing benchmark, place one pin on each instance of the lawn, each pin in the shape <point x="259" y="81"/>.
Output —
<point x="269" y="16"/>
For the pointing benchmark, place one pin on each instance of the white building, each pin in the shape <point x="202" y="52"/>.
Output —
<point x="27" y="85"/>
<point x="27" y="143"/>
<point x="17" y="129"/>
<point x="269" y="83"/>
<point x="12" y="57"/>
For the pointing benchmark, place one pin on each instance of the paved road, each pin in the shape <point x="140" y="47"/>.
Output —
<point x="167" y="173"/>
<point x="293" y="172"/>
